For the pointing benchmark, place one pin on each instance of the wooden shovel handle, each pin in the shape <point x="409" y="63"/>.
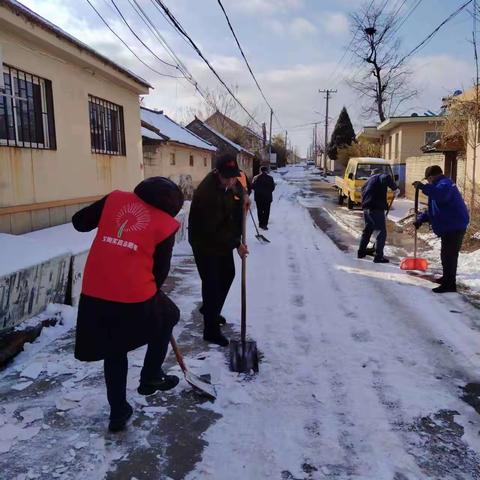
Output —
<point x="244" y="280"/>
<point x="178" y="354"/>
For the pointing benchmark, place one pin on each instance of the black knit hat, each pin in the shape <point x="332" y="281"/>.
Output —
<point x="433" y="171"/>
<point x="227" y="166"/>
<point x="161" y="193"/>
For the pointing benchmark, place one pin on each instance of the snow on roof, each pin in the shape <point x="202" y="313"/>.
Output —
<point x="174" y="131"/>
<point x="151" y="134"/>
<point x="21" y="9"/>
<point x="370" y="160"/>
<point x="225" y="139"/>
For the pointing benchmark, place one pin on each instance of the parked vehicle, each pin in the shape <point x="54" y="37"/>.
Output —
<point x="358" y="171"/>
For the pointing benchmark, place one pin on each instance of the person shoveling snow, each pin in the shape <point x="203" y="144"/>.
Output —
<point x="448" y="216"/>
<point x="121" y="306"/>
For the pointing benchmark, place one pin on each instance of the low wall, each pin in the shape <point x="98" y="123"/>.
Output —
<point x="416" y="170"/>
<point x="27" y="292"/>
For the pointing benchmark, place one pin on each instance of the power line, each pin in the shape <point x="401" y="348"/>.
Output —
<point x="246" y="62"/>
<point x="127" y="46"/>
<point x="407" y="16"/>
<point x="432" y="34"/>
<point x="179" y="27"/>
<point x="138" y="38"/>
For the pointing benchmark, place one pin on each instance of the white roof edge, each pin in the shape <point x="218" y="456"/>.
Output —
<point x="399" y="120"/>
<point x="223" y="137"/>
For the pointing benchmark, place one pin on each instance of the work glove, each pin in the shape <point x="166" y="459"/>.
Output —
<point x="417" y="184"/>
<point x="397" y="193"/>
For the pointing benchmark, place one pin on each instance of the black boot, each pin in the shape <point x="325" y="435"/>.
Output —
<point x="215" y="337"/>
<point x="381" y="260"/>
<point x="162" y="383"/>
<point x="445" y="289"/>
<point x="117" y="424"/>
<point x="222" y="320"/>
<point x="361" y="254"/>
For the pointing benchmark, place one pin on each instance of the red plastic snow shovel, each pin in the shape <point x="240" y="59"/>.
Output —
<point x="201" y="386"/>
<point x="414" y="263"/>
<point x="243" y="353"/>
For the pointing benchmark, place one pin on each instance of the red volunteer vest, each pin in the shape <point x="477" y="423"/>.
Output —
<point x="119" y="266"/>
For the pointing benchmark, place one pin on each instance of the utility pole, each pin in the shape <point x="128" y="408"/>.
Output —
<point x="327" y="98"/>
<point x="270" y="140"/>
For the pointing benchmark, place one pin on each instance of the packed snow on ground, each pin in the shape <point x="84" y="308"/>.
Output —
<point x="401" y="208"/>
<point x="350" y="365"/>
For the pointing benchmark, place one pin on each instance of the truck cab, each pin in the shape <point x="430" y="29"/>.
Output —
<point x="358" y="171"/>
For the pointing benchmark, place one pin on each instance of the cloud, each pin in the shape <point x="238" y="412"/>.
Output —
<point x="251" y="7"/>
<point x="335" y="23"/>
<point x="301" y="26"/>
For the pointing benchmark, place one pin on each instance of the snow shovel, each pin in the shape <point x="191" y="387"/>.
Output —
<point x="258" y="236"/>
<point x="414" y="263"/>
<point x="243" y="353"/>
<point x="199" y="385"/>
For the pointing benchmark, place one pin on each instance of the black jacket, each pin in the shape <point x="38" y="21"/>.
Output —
<point x="263" y="186"/>
<point x="106" y="328"/>
<point x="215" y="220"/>
<point x="374" y="192"/>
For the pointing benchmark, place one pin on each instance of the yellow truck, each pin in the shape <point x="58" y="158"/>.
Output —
<point x="358" y="171"/>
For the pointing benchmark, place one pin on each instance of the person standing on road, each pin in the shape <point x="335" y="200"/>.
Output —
<point x="121" y="306"/>
<point x="214" y="231"/>
<point x="448" y="216"/>
<point x="263" y="186"/>
<point x="374" y="204"/>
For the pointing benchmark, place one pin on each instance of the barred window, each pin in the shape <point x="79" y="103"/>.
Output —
<point x="172" y="159"/>
<point x="191" y="160"/>
<point x="107" y="130"/>
<point x="204" y="161"/>
<point x="26" y="110"/>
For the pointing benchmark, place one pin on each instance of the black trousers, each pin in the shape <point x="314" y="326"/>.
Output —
<point x="263" y="211"/>
<point x="115" y="366"/>
<point x="217" y="273"/>
<point x="374" y="221"/>
<point x="451" y="243"/>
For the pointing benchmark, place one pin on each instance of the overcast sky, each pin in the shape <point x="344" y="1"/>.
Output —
<point x="293" y="46"/>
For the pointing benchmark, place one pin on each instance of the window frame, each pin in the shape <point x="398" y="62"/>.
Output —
<point x="191" y="161"/>
<point x="172" y="158"/>
<point x="106" y="130"/>
<point x="34" y="108"/>
<point x="435" y="132"/>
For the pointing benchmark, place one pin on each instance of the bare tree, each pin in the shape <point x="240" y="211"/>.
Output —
<point x="382" y="77"/>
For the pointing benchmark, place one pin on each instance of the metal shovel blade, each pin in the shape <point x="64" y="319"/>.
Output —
<point x="414" y="263"/>
<point x="201" y="386"/>
<point x="262" y="239"/>
<point x="243" y="356"/>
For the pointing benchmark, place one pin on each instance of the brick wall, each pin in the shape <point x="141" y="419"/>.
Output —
<point x="416" y="170"/>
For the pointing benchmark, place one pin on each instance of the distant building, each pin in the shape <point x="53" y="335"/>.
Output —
<point x="244" y="157"/>
<point x="69" y="123"/>
<point x="170" y="150"/>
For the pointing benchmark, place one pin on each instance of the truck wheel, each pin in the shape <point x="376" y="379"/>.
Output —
<point x="349" y="203"/>
<point x="341" y="198"/>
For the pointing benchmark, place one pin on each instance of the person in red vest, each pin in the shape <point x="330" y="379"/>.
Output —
<point x="121" y="305"/>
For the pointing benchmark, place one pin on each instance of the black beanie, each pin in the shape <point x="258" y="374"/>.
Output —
<point x="161" y="193"/>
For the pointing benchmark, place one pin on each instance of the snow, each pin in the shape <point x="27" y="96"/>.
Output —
<point x="401" y="208"/>
<point x="19" y="253"/>
<point x="227" y="140"/>
<point x="173" y="130"/>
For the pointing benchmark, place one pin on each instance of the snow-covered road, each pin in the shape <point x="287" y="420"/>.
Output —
<point x="361" y="378"/>
<point x="361" y="364"/>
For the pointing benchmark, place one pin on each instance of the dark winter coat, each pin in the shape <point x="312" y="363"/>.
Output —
<point x="374" y="192"/>
<point x="447" y="211"/>
<point x="106" y="328"/>
<point x="263" y="186"/>
<point x="215" y="220"/>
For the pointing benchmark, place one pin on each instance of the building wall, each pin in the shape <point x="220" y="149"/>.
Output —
<point x="157" y="161"/>
<point x="472" y="163"/>
<point x="31" y="177"/>
<point x="416" y="170"/>
<point x="406" y="140"/>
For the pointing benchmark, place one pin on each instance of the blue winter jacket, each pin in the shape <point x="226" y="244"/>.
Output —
<point x="374" y="191"/>
<point x="447" y="211"/>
